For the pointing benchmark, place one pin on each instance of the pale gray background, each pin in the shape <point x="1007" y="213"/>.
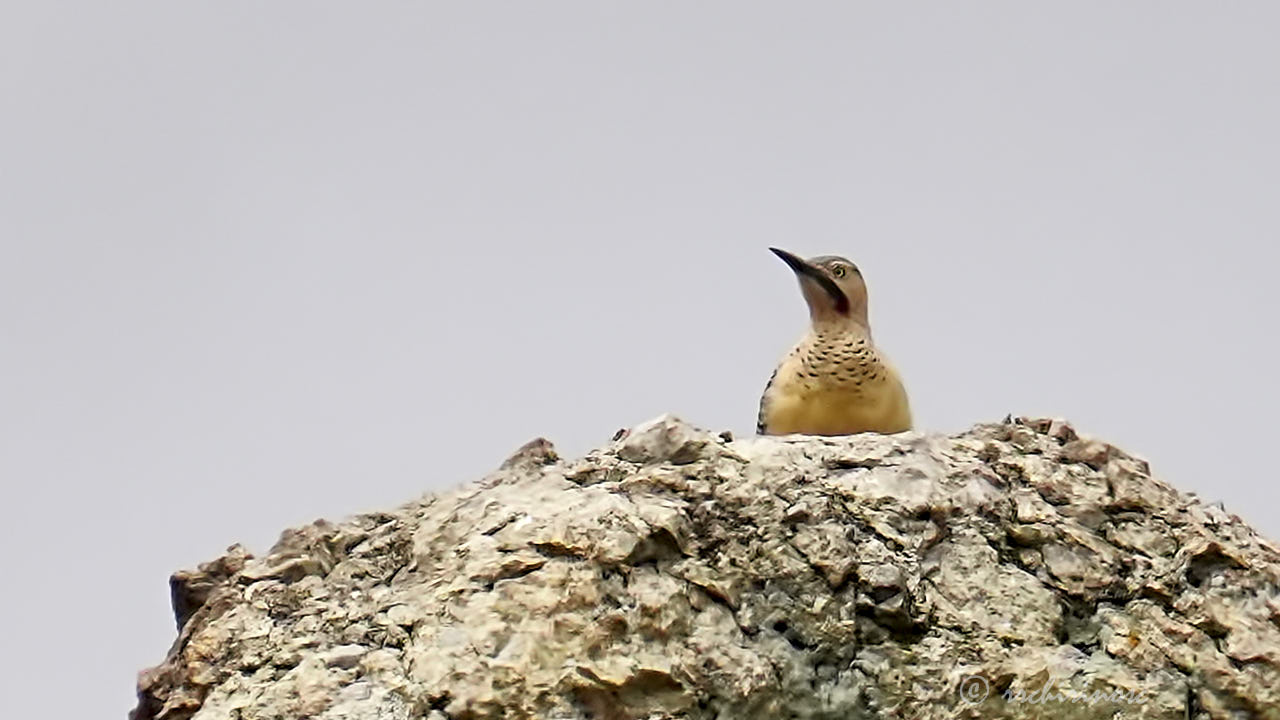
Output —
<point x="265" y="262"/>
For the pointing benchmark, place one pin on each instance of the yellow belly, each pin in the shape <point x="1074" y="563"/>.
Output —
<point x="835" y="412"/>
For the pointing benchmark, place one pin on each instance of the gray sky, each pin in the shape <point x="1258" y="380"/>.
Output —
<point x="263" y="263"/>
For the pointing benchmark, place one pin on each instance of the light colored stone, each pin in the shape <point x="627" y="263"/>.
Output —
<point x="674" y="573"/>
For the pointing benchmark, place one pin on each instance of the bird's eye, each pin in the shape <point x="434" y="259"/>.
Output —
<point x="839" y="271"/>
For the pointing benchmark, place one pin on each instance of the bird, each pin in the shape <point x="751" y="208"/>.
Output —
<point x="835" y="381"/>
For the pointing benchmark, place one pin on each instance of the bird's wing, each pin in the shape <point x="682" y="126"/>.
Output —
<point x="763" y="399"/>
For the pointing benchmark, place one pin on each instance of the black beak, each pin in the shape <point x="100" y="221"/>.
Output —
<point x="804" y="269"/>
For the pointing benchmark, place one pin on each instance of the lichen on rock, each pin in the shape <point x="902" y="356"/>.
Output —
<point x="1015" y="570"/>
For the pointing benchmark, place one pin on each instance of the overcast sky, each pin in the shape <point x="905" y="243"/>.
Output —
<point x="266" y="262"/>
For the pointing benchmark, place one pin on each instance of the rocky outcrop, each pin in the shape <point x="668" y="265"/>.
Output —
<point x="1011" y="571"/>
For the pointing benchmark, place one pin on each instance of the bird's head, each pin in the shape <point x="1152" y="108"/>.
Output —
<point x="832" y="286"/>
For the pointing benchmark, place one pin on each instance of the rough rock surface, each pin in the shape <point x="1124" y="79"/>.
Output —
<point x="1011" y="571"/>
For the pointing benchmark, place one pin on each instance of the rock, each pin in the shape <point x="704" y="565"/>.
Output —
<point x="665" y="439"/>
<point x="1016" y="570"/>
<point x="189" y="589"/>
